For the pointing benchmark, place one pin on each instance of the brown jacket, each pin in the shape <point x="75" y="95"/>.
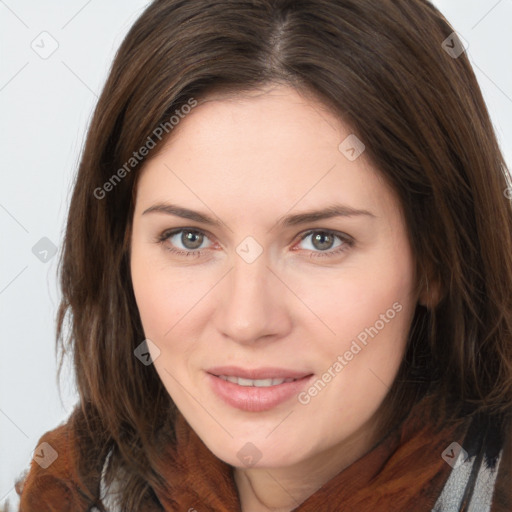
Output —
<point x="405" y="472"/>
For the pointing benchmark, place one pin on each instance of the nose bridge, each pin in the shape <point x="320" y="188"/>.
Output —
<point x="249" y="277"/>
<point x="252" y="305"/>
<point x="250" y="280"/>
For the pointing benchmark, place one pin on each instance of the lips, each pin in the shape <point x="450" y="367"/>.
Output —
<point x="256" y="390"/>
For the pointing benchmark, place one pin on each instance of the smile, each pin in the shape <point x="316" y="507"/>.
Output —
<point x="259" y="383"/>
<point x="256" y="390"/>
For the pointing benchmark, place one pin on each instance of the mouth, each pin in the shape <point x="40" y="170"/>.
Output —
<point x="256" y="390"/>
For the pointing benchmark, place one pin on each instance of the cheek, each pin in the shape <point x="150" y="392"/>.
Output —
<point x="355" y="300"/>
<point x="369" y="307"/>
<point x="157" y="301"/>
<point x="162" y="304"/>
<point x="167" y="298"/>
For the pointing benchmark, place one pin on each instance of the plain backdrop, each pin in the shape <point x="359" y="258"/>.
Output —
<point x="55" y="57"/>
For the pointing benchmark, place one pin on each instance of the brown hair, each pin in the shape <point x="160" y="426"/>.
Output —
<point x="381" y="66"/>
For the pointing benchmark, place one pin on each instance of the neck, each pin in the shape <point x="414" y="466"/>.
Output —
<point x="283" y="489"/>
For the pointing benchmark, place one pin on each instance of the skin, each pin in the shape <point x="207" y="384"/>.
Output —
<point x="248" y="161"/>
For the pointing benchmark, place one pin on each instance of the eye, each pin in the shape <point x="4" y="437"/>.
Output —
<point x="183" y="241"/>
<point x="323" y="243"/>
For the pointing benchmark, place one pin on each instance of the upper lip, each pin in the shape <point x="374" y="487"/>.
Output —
<point x="257" y="373"/>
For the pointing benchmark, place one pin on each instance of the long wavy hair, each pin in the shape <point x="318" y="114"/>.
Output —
<point x="383" y="66"/>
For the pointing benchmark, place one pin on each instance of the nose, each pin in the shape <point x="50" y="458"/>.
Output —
<point x="253" y="303"/>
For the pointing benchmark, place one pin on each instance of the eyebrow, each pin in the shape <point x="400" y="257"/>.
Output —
<point x="335" y="210"/>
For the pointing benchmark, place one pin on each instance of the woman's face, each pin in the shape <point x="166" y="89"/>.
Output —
<point x="236" y="276"/>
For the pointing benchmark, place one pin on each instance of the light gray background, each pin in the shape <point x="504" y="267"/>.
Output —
<point x="46" y="104"/>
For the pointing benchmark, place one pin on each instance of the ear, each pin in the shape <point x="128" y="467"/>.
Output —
<point x="430" y="293"/>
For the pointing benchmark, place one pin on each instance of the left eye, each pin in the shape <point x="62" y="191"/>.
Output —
<point x="191" y="240"/>
<point x="322" y="240"/>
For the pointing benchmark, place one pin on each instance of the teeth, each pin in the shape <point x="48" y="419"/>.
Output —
<point x="259" y="383"/>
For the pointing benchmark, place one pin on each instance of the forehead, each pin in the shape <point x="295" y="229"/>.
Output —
<point x="267" y="148"/>
<point x="275" y="115"/>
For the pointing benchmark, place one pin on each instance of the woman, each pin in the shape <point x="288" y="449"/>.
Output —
<point x="286" y="270"/>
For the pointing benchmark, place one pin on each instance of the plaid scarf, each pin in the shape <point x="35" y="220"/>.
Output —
<point x="464" y="467"/>
<point x="415" y="468"/>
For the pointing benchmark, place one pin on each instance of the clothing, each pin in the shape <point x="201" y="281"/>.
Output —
<point x="405" y="472"/>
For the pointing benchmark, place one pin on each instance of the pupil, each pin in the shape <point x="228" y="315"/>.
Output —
<point x="321" y="237"/>
<point x="191" y="237"/>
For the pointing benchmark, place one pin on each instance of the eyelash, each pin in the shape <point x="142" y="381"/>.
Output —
<point x="348" y="242"/>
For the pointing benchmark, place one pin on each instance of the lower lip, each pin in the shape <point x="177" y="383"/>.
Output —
<point x="256" y="399"/>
